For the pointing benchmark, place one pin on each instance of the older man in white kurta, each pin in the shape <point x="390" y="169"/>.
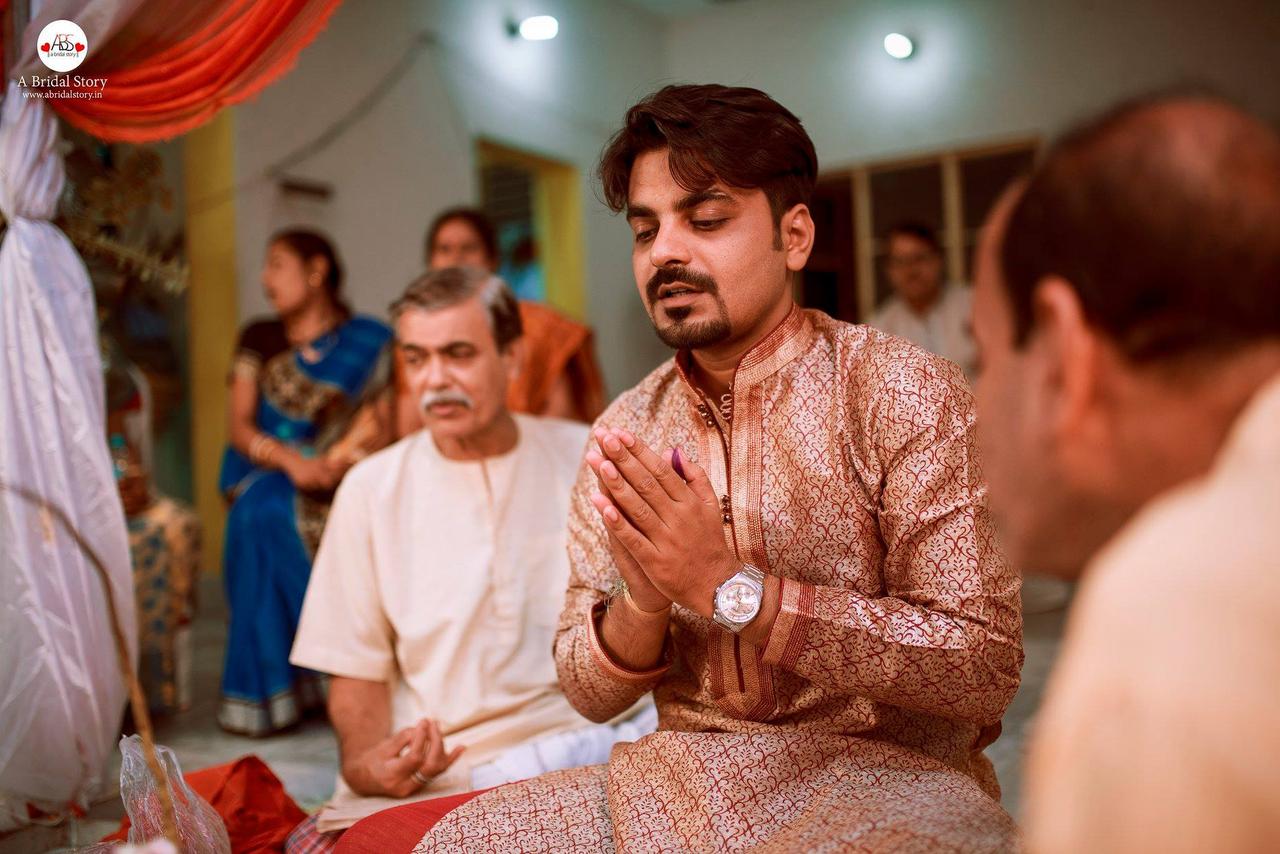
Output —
<point x="441" y="576"/>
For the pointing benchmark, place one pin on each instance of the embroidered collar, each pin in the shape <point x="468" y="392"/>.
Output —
<point x="770" y="354"/>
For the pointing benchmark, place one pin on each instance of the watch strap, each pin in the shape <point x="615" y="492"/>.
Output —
<point x="754" y="574"/>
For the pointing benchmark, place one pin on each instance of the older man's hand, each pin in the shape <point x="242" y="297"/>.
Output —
<point x="672" y="526"/>
<point x="387" y="769"/>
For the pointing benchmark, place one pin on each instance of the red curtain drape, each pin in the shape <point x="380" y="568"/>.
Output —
<point x="4" y="10"/>
<point x="174" y="65"/>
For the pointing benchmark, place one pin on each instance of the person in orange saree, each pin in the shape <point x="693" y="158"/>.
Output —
<point x="1127" y="312"/>
<point x="559" y="375"/>
<point x="782" y="533"/>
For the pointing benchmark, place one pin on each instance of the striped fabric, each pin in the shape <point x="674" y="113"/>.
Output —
<point x="306" y="839"/>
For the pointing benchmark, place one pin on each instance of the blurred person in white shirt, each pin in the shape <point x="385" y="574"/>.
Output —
<point x="924" y="308"/>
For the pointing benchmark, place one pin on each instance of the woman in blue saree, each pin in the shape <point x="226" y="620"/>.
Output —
<point x="298" y="386"/>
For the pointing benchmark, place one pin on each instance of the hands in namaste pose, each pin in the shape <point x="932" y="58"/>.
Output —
<point x="665" y="530"/>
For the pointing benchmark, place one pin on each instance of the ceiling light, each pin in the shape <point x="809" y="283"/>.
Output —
<point x="896" y="45"/>
<point x="539" y="28"/>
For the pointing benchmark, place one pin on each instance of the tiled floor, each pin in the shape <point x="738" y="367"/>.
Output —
<point x="306" y="759"/>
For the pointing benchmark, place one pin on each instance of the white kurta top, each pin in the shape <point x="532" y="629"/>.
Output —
<point x="446" y="578"/>
<point x="944" y="329"/>
<point x="1160" y="730"/>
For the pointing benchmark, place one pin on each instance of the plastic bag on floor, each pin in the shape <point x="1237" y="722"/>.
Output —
<point x="200" y="828"/>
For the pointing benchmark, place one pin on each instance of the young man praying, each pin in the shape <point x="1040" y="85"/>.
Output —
<point x="782" y="535"/>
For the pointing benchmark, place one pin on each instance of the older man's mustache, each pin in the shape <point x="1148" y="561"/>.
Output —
<point x="435" y="398"/>
<point x="684" y="275"/>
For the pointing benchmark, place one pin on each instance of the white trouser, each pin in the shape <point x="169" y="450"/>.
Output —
<point x="589" y="745"/>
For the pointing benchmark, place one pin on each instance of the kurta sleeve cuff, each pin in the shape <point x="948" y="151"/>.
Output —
<point x="791" y="626"/>
<point x="610" y="667"/>
<point x="349" y="666"/>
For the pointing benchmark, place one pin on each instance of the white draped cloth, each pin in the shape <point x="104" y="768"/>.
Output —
<point x="61" y="692"/>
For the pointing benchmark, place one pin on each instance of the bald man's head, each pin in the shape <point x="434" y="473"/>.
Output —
<point x="1164" y="216"/>
<point x="1126" y="306"/>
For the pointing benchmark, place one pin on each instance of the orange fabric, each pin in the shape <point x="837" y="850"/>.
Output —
<point x="173" y="70"/>
<point x="556" y="346"/>
<point x="399" y="828"/>
<point x="251" y="800"/>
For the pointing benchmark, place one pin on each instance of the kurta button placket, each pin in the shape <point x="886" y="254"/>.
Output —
<point x="505" y="608"/>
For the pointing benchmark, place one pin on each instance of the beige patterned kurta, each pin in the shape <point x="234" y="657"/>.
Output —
<point x="851" y="474"/>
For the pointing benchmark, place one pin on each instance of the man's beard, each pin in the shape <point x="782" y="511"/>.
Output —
<point x="682" y="334"/>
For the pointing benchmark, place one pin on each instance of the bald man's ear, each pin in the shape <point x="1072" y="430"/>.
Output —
<point x="1069" y="349"/>
<point x="797" y="233"/>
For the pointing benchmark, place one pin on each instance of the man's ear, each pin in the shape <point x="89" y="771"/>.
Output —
<point x="797" y="232"/>
<point x="514" y="358"/>
<point x="1069" y="351"/>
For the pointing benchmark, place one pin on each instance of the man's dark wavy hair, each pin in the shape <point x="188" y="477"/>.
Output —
<point x="732" y="134"/>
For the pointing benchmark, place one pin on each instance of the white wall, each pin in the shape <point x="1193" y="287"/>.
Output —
<point x="984" y="69"/>
<point x="414" y="153"/>
<point x="389" y="172"/>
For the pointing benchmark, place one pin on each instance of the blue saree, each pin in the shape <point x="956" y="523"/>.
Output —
<point x="306" y="397"/>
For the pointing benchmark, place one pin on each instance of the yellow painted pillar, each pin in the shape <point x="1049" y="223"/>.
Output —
<point x="557" y="210"/>
<point x="212" y="311"/>
<point x="557" y="215"/>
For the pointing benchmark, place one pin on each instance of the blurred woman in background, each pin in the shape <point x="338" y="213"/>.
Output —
<point x="298" y="383"/>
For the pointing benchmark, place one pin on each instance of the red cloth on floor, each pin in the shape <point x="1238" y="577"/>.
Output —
<point x="251" y="800"/>
<point x="398" y="829"/>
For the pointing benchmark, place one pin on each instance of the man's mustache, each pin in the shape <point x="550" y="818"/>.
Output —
<point x="684" y="275"/>
<point x="432" y="398"/>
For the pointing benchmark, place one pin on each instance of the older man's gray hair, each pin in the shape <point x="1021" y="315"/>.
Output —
<point x="443" y="288"/>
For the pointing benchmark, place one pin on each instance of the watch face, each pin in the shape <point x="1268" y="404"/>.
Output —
<point x="738" y="601"/>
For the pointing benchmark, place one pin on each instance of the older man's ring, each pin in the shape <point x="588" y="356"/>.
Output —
<point x="420" y="779"/>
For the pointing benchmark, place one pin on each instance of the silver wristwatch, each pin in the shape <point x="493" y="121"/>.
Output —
<point x="739" y="598"/>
